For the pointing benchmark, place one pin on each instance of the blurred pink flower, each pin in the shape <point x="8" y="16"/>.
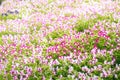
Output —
<point x="94" y="50"/>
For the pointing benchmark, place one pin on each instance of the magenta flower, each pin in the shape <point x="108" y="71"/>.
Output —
<point x="63" y="43"/>
<point x="103" y="34"/>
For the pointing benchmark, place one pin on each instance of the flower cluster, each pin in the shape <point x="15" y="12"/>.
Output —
<point x="53" y="39"/>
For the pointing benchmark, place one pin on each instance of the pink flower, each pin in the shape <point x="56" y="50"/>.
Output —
<point x="15" y="78"/>
<point x="75" y="50"/>
<point x="99" y="66"/>
<point x="48" y="50"/>
<point x="97" y="40"/>
<point x="103" y="34"/>
<point x="49" y="57"/>
<point x="13" y="72"/>
<point x="63" y="43"/>
<point x="29" y="71"/>
<point x="94" y="50"/>
<point x="39" y="69"/>
<point x="43" y="78"/>
<point x="13" y="51"/>
<point x="24" y="46"/>
<point x="76" y="43"/>
<point x="105" y="73"/>
<point x="103" y="51"/>
<point x="1" y="66"/>
<point x="20" y="51"/>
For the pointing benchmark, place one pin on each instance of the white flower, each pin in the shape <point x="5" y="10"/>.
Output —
<point x="57" y="62"/>
<point x="116" y="76"/>
<point x="70" y="69"/>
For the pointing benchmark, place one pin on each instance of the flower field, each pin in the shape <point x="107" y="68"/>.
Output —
<point x="60" y="40"/>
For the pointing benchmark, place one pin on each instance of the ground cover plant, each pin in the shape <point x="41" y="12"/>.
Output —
<point x="60" y="40"/>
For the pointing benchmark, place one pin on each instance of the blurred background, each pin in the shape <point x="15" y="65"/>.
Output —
<point x="1" y="1"/>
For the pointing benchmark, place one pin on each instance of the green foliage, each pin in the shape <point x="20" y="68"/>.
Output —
<point x="56" y="34"/>
<point x="77" y="67"/>
<point x="90" y="43"/>
<point x="37" y="27"/>
<point x="1" y="77"/>
<point x="118" y="74"/>
<point x="108" y="57"/>
<point x="1" y="1"/>
<point x="110" y="77"/>
<point x="61" y="6"/>
<point x="112" y="41"/>
<point x="38" y="74"/>
<point x="107" y="44"/>
<point x="63" y="71"/>
<point x="8" y="76"/>
<point x="54" y="56"/>
<point x="9" y="66"/>
<point x="50" y="1"/>
<point x="7" y="33"/>
<point x="1" y="41"/>
<point x="101" y="58"/>
<point x="68" y="14"/>
<point x="46" y="71"/>
<point x="32" y="78"/>
<point x="101" y="43"/>
<point x="116" y="54"/>
<point x="35" y="41"/>
<point x="9" y="16"/>
<point x="83" y="24"/>
<point x="96" y="72"/>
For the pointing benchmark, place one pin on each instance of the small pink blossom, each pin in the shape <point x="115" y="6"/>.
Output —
<point x="94" y="50"/>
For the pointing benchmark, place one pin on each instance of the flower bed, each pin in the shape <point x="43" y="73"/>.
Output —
<point x="60" y="40"/>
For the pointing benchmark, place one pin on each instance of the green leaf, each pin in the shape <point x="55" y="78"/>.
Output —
<point x="116" y="54"/>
